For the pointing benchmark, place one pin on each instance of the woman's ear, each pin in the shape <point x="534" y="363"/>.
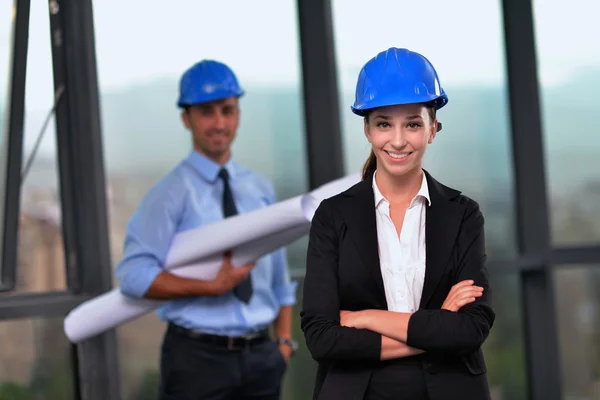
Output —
<point x="367" y="129"/>
<point x="433" y="131"/>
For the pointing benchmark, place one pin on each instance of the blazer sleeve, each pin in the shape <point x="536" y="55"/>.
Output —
<point x="461" y="332"/>
<point x="325" y="338"/>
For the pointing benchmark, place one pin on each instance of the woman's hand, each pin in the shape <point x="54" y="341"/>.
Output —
<point x="461" y="294"/>
<point x="352" y="319"/>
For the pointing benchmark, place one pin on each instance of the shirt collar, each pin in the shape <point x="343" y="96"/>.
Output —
<point x="378" y="196"/>
<point x="207" y="167"/>
<point x="423" y="192"/>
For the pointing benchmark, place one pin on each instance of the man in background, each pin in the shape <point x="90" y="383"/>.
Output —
<point x="217" y="344"/>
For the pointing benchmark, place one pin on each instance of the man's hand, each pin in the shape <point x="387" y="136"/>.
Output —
<point x="286" y="352"/>
<point x="230" y="276"/>
<point x="461" y="294"/>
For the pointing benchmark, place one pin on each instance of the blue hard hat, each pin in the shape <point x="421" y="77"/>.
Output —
<point x="397" y="76"/>
<point x="205" y="81"/>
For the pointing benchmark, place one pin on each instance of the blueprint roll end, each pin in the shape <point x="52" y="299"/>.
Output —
<point x="67" y="328"/>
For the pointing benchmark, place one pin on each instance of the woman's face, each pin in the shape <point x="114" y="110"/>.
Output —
<point x="399" y="136"/>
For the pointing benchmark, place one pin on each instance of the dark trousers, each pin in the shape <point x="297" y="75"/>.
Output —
<point x="192" y="369"/>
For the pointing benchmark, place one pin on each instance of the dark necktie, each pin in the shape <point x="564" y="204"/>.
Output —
<point x="243" y="291"/>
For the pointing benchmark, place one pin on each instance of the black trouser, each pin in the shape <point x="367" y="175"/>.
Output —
<point x="196" y="368"/>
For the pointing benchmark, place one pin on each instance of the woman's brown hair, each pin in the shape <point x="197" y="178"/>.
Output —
<point x="371" y="164"/>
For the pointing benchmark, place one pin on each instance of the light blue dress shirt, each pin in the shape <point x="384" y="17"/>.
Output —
<point x="187" y="197"/>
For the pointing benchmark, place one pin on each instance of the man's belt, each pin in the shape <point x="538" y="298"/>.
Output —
<point x="229" y="342"/>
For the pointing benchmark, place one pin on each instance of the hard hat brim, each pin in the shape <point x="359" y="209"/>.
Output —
<point x="182" y="103"/>
<point x="364" y="109"/>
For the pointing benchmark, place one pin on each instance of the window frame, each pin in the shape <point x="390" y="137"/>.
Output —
<point x="13" y="145"/>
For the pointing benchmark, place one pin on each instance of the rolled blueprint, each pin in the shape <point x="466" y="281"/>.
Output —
<point x="198" y="254"/>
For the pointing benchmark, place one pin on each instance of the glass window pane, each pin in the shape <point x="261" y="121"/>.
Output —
<point x="6" y="40"/>
<point x="6" y="29"/>
<point x="472" y="152"/>
<point x="139" y="344"/>
<point x="35" y="360"/>
<point x="578" y="317"/>
<point x="143" y="134"/>
<point x="40" y="257"/>
<point x="569" y="70"/>
<point x="300" y="376"/>
<point x="505" y="347"/>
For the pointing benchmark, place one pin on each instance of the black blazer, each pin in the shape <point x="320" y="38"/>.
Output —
<point x="343" y="272"/>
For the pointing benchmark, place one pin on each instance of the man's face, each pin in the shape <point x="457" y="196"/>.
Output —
<point x="213" y="126"/>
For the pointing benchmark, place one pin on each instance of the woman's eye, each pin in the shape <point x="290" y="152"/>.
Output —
<point x="414" y="125"/>
<point x="383" y="124"/>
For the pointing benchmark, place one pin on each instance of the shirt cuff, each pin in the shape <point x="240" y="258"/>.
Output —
<point x="286" y="294"/>
<point x="137" y="283"/>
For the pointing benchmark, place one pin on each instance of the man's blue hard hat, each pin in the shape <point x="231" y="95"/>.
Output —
<point x="205" y="81"/>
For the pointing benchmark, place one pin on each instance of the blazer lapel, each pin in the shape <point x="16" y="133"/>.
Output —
<point x="362" y="227"/>
<point x="443" y="219"/>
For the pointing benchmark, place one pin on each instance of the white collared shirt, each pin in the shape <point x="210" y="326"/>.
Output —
<point x="402" y="259"/>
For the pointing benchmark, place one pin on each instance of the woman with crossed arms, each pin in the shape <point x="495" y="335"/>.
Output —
<point x="396" y="295"/>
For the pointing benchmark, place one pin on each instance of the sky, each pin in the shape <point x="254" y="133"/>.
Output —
<point x="141" y="41"/>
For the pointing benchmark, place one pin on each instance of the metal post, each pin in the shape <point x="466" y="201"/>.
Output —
<point x="82" y="184"/>
<point x="11" y="172"/>
<point x="543" y="362"/>
<point x="321" y="108"/>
